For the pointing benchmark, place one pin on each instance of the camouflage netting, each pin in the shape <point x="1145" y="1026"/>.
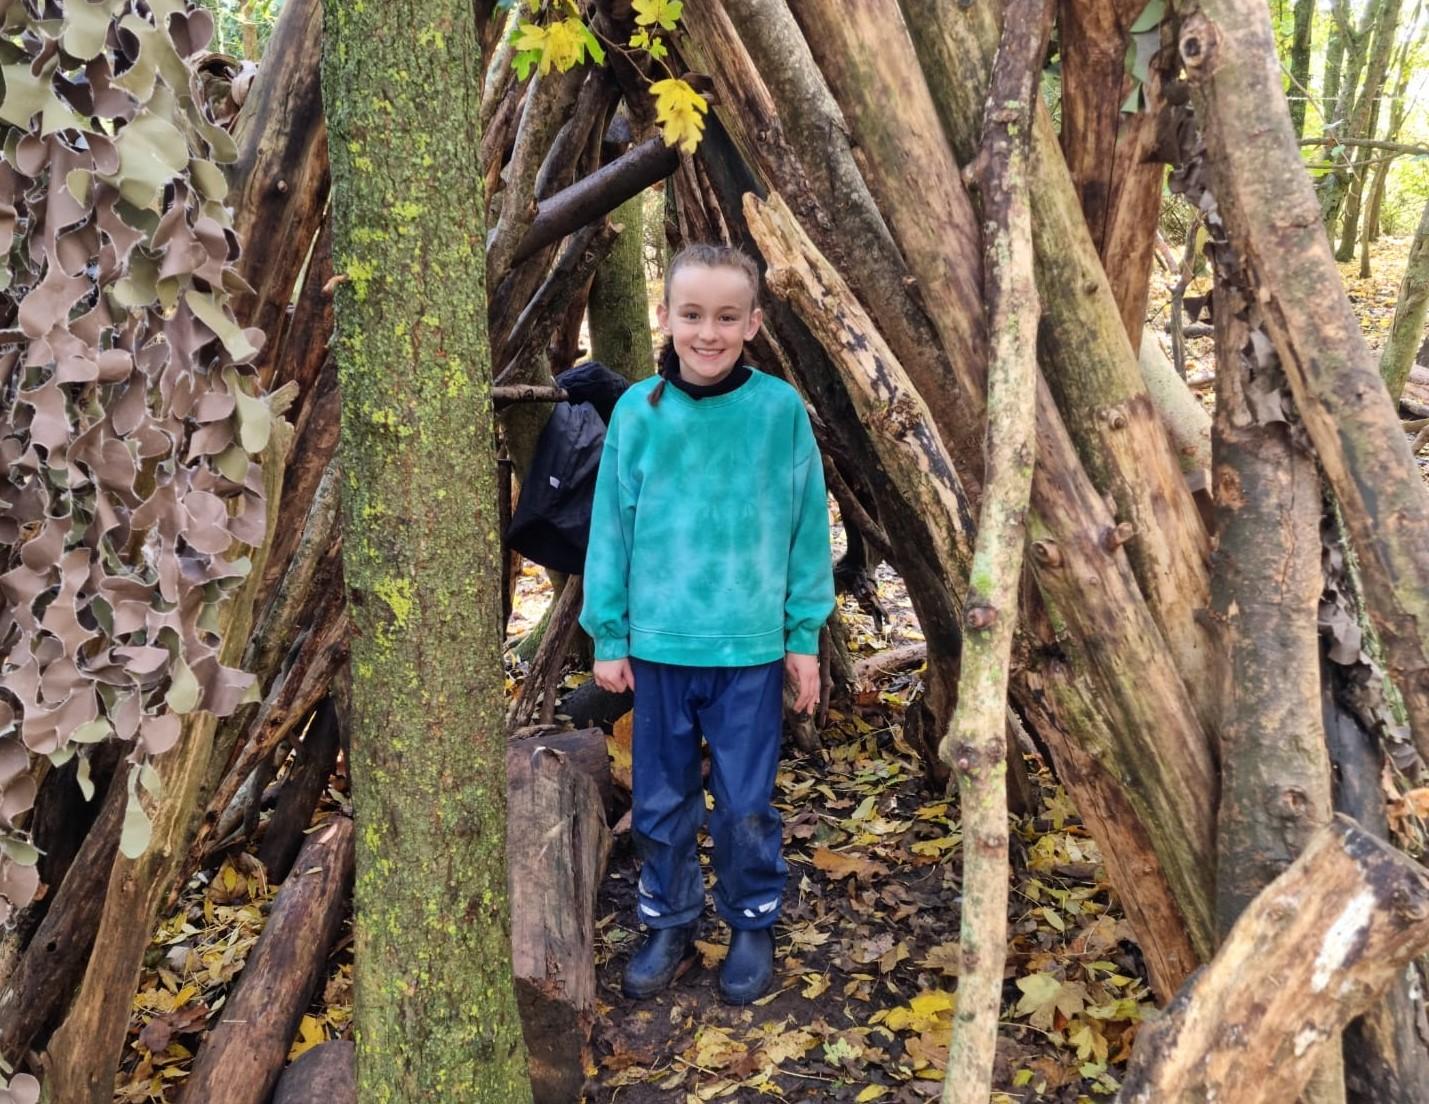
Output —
<point x="129" y="426"/>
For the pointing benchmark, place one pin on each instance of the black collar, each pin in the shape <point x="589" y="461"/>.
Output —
<point x="732" y="382"/>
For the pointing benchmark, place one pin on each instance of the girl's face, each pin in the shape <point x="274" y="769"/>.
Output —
<point x="709" y="317"/>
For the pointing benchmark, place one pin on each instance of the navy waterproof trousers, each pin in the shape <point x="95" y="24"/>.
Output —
<point x="739" y="712"/>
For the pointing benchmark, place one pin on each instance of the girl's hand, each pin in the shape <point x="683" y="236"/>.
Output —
<point x="803" y="672"/>
<point x="614" y="675"/>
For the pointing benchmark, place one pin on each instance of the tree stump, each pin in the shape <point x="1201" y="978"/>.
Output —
<point x="584" y="749"/>
<point x="556" y="848"/>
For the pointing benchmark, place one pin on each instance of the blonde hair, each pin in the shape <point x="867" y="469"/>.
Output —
<point x="702" y="255"/>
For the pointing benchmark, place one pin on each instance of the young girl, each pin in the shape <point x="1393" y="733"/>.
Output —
<point x="708" y="576"/>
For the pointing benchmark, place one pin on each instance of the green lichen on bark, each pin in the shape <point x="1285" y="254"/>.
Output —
<point x="436" y="1015"/>
<point x="619" y="300"/>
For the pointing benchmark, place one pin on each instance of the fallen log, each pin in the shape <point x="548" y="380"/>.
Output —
<point x="556" y="848"/>
<point x="243" y="1055"/>
<point x="327" y="1074"/>
<point x="301" y="790"/>
<point x="1316" y="948"/>
<point x="886" y="662"/>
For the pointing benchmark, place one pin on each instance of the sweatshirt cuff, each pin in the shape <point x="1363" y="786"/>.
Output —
<point x="803" y="639"/>
<point x="612" y="647"/>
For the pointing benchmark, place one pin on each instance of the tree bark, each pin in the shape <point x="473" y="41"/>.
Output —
<point x="619" y="305"/>
<point x="243" y="1056"/>
<point x="1088" y="359"/>
<point x="1266" y="587"/>
<point x="307" y="778"/>
<point x="1318" y="946"/>
<point x="1340" y="33"/>
<point x="1407" y="330"/>
<point x="280" y="179"/>
<point x="436" y="1013"/>
<point x="1187" y="423"/>
<point x="1349" y="95"/>
<point x="1268" y="206"/>
<point x="975" y="745"/>
<point x="556" y="847"/>
<point x="1300" y="63"/>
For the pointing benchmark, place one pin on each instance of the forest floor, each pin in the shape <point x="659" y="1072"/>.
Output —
<point x="866" y="947"/>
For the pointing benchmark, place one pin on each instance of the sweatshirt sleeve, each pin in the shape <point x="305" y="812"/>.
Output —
<point x="605" y="614"/>
<point x="811" y="575"/>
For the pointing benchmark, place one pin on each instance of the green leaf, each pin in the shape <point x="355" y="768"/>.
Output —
<point x="1150" y="17"/>
<point x="523" y="61"/>
<point x="138" y="830"/>
<point x="220" y="320"/>
<point x="152" y="152"/>
<point x="92" y="732"/>
<point x="86" y="784"/>
<point x="255" y="420"/>
<point x="20" y="851"/>
<point x="593" y="45"/>
<point x="150" y="780"/>
<point x="183" y="692"/>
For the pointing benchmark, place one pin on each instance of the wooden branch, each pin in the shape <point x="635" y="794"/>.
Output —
<point x="298" y="797"/>
<point x="1317" y="947"/>
<point x="505" y="396"/>
<point x="873" y="667"/>
<point x="280" y="180"/>
<point x="325" y="1074"/>
<point x="545" y="672"/>
<point x="243" y="1056"/>
<point x="548" y="103"/>
<point x="975" y="745"/>
<point x="1329" y="141"/>
<point x="40" y="987"/>
<point x="1272" y="219"/>
<point x="596" y="195"/>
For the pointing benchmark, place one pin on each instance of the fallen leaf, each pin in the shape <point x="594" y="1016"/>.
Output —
<point x="842" y="864"/>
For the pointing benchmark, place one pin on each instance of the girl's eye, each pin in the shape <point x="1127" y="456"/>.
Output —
<point x="729" y="319"/>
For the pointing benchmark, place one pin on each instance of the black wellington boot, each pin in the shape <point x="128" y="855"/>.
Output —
<point x="748" y="969"/>
<point x="653" y="966"/>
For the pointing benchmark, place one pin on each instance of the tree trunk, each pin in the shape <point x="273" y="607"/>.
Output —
<point x="1267" y="203"/>
<point x="1407" y="330"/>
<point x="436" y="1015"/>
<point x="1300" y="64"/>
<point x="1318" y="946"/>
<point x="1334" y="59"/>
<point x="975" y="745"/>
<point x="1275" y="772"/>
<point x="619" y="306"/>
<point x="243" y="1056"/>
<point x="1346" y="122"/>
<point x="1109" y="152"/>
<point x="557" y="846"/>
<point x="1354" y="199"/>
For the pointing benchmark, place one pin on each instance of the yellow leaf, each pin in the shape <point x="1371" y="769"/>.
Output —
<point x="679" y="110"/>
<point x="662" y="12"/>
<point x="310" y="1033"/>
<point x="565" y="45"/>
<point x="926" y="1011"/>
<point x="814" y="984"/>
<point x="532" y="36"/>
<point x="872" y="1092"/>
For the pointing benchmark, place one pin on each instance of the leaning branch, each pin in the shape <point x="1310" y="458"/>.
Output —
<point x="1315" y="949"/>
<point x="975" y="745"/>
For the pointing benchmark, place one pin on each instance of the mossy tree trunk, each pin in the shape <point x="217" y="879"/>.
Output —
<point x="1407" y="330"/>
<point x="436" y="1014"/>
<point x="619" y="305"/>
<point x="1300" y="63"/>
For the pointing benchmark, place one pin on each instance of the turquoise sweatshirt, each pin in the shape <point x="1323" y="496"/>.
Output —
<point x="709" y="536"/>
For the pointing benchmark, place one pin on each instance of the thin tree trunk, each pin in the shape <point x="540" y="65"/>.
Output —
<point x="1275" y="771"/>
<point x="1300" y="63"/>
<point x="1267" y="203"/>
<point x="975" y="744"/>
<point x="1334" y="59"/>
<point x="1345" y="120"/>
<point x="1354" y="200"/>
<point x="436" y="1013"/>
<point x="1407" y="331"/>
<point x="619" y="306"/>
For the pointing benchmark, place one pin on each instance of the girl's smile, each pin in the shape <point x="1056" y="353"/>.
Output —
<point x="709" y="317"/>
